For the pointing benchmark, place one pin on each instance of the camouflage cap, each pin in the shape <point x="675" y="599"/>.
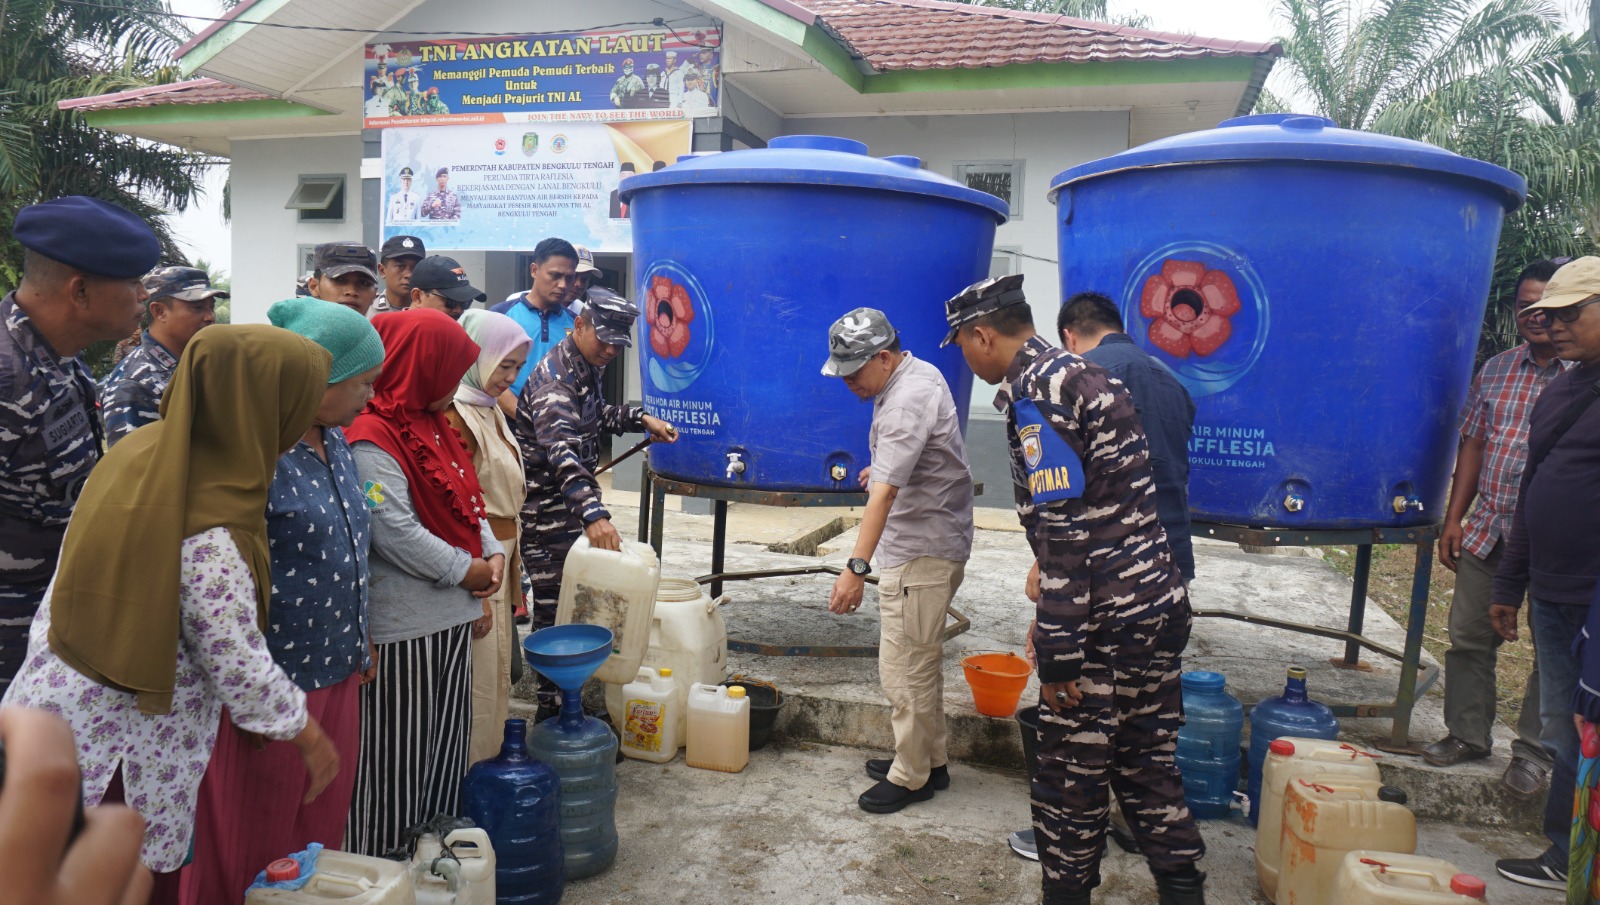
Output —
<point x="854" y="339"/>
<point x="189" y="284"/>
<point x="612" y="316"/>
<point x="983" y="297"/>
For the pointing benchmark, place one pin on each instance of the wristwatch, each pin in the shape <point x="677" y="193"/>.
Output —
<point x="859" y="566"/>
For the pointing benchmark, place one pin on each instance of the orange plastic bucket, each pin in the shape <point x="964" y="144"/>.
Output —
<point x="997" y="680"/>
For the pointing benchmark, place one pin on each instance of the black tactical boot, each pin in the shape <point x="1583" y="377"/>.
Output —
<point x="1053" y="897"/>
<point x="1183" y="888"/>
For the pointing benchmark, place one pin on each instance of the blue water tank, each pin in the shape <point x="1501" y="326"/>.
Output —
<point x="1318" y="290"/>
<point x="517" y="801"/>
<point x="744" y="259"/>
<point x="1292" y="713"/>
<point x="1208" y="744"/>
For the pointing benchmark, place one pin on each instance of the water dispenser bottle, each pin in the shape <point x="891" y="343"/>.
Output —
<point x="517" y="801"/>
<point x="1208" y="744"/>
<point x="1292" y="713"/>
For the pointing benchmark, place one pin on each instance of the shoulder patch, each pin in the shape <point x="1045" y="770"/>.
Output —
<point x="1054" y="471"/>
<point x="373" y="491"/>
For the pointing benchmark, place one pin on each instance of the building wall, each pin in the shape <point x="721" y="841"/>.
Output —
<point x="264" y="174"/>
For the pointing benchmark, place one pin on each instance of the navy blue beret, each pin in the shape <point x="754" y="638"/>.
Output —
<point x="91" y="235"/>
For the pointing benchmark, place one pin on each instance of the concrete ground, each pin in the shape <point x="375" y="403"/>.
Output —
<point x="788" y="826"/>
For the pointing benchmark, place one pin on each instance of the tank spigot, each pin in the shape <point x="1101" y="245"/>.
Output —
<point x="1404" y="504"/>
<point x="838" y="472"/>
<point x="735" y="465"/>
<point x="1294" y="502"/>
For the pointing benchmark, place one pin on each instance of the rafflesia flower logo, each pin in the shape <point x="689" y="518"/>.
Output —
<point x="670" y="313"/>
<point x="1189" y="307"/>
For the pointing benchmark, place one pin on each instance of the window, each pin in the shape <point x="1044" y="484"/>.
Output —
<point x="1000" y="178"/>
<point x="1003" y="263"/>
<point x="318" y="199"/>
<point x="304" y="265"/>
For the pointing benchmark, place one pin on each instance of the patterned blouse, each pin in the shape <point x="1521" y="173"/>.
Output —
<point x="222" y="662"/>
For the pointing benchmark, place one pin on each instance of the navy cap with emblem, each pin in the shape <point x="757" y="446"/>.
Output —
<point x="94" y="236"/>
<point x="981" y="298"/>
<point x="189" y="284"/>
<point x="335" y="259"/>
<point x="612" y="316"/>
<point x="401" y="247"/>
<point x="406" y="173"/>
<point x="446" y="277"/>
<point x="442" y="171"/>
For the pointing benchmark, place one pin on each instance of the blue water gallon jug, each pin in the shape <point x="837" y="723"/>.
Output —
<point x="1292" y="713"/>
<point x="1208" y="744"/>
<point x="583" y="752"/>
<point x="517" y="801"/>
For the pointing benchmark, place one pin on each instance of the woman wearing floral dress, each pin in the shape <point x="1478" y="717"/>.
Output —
<point x="154" y="617"/>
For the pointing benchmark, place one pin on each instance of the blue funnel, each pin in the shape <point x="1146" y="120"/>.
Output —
<point x="568" y="654"/>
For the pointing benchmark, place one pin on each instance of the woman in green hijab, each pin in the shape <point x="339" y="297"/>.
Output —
<point x="153" y="623"/>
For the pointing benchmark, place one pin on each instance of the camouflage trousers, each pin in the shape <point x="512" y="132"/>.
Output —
<point x="18" y="604"/>
<point x="1120" y="738"/>
<point x="546" y="540"/>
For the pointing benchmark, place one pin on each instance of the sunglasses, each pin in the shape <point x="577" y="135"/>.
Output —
<point x="449" y="302"/>
<point x="1565" y="315"/>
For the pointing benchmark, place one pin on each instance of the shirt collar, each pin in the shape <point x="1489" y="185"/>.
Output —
<point x="905" y="359"/>
<point x="576" y="365"/>
<point x="26" y="335"/>
<point x="157" y="351"/>
<point x="1525" y="357"/>
<point x="1027" y="355"/>
<point x="1116" y="339"/>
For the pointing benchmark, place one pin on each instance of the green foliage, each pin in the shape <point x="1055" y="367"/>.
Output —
<point x="1495" y="80"/>
<point x="219" y="280"/>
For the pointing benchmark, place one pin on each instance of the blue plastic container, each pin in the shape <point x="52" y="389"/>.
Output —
<point x="517" y="801"/>
<point x="1318" y="290"/>
<point x="1208" y="744"/>
<point x="1293" y="713"/>
<point x="743" y="261"/>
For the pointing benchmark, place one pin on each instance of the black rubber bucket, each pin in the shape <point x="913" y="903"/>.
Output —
<point x="765" y="702"/>
<point x="1028" y="725"/>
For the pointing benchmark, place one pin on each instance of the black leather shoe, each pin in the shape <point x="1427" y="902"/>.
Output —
<point x="1525" y="778"/>
<point x="938" y="777"/>
<point x="1182" y="890"/>
<point x="1067" y="898"/>
<point x="886" y="797"/>
<point x="1449" y="751"/>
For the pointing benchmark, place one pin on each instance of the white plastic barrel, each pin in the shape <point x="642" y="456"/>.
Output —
<point x="1325" y="820"/>
<point x="348" y="879"/>
<point x="1394" y="878"/>
<point x="687" y="636"/>
<point x="1289" y="759"/>
<point x="615" y="589"/>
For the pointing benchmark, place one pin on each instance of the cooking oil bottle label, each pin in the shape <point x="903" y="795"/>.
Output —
<point x="643" y="724"/>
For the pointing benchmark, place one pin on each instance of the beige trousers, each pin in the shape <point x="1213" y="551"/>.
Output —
<point x="912" y="600"/>
<point x="491" y="666"/>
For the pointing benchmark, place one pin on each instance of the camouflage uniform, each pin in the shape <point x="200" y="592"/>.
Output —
<point x="1114" y="616"/>
<point x="560" y="416"/>
<point x="131" y="393"/>
<point x="448" y="206"/>
<point x="49" y="440"/>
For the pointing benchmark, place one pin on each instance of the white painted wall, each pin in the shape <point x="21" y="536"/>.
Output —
<point x="265" y="236"/>
<point x="1047" y="142"/>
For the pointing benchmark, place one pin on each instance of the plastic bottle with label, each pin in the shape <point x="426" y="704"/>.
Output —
<point x="650" y="716"/>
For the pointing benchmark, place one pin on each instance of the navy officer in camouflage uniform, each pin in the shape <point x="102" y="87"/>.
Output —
<point x="182" y="302"/>
<point x="81" y="268"/>
<point x="560" y="416"/>
<point x="1113" y="615"/>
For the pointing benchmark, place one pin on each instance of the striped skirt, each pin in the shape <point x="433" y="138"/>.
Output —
<point x="415" y="721"/>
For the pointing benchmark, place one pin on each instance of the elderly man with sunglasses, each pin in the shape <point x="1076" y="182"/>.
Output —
<point x="1552" y="553"/>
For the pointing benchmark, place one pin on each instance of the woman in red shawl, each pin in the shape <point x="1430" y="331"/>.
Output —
<point x="435" y="564"/>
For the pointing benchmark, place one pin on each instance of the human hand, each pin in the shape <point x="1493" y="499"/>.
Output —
<point x="320" y="757"/>
<point x="479" y="576"/>
<point x="38" y="806"/>
<point x="603" y="535"/>
<point x="1504" y="620"/>
<point x="483" y="624"/>
<point x="865" y="477"/>
<point x="1027" y="649"/>
<point x="370" y="674"/>
<point x="846" y="596"/>
<point x="1450" y="544"/>
<point x="1032" y="587"/>
<point x="497" y="568"/>
<point x="659" y="430"/>
<point x="1061" y="696"/>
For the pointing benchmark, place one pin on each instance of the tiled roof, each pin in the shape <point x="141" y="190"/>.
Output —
<point x="930" y="34"/>
<point x="194" y="91"/>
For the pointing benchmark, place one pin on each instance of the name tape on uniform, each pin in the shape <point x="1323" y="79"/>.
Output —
<point x="1054" y="471"/>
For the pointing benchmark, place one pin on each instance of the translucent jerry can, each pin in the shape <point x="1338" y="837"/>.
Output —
<point x="473" y="855"/>
<point x="687" y="636"/>
<point x="1392" y="878"/>
<point x="650" y="716"/>
<point x="719" y="728"/>
<point x="615" y="589"/>
<point x="1323" y="821"/>
<point x="348" y="879"/>
<point x="1290" y="759"/>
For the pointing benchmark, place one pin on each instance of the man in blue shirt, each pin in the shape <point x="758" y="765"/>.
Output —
<point x="542" y="310"/>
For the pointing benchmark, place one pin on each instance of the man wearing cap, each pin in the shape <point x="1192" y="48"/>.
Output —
<point x="655" y="87"/>
<point x="560" y="417"/>
<point x="628" y="87"/>
<point x="396" y="260"/>
<point x="1553" y="551"/>
<point x="403" y="204"/>
<point x="441" y="283"/>
<point x="442" y="204"/>
<point x="584" y="277"/>
<point x="542" y="310"/>
<point x="181" y="303"/>
<point x="82" y="263"/>
<point x="345" y="273"/>
<point x="918" y="522"/>
<point x="1113" y="614"/>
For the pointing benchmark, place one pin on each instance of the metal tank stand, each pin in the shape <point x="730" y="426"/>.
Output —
<point x="1412" y="686"/>
<point x="653" y="491"/>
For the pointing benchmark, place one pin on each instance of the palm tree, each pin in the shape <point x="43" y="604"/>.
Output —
<point x="1498" y="81"/>
<point x="51" y="51"/>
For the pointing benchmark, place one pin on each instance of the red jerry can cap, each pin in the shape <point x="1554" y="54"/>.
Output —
<point x="1468" y="885"/>
<point x="1282" y="747"/>
<point x="288" y="869"/>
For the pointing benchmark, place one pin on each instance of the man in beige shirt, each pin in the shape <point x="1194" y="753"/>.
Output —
<point x="918" y="522"/>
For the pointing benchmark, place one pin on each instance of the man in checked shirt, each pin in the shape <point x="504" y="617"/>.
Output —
<point x="1494" y="448"/>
